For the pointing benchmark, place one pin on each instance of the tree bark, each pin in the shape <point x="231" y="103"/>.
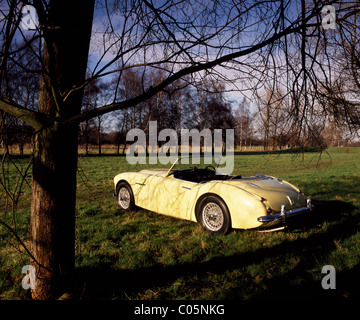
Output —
<point x="52" y="223"/>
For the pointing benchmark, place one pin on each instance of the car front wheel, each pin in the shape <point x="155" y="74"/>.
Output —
<point x="213" y="215"/>
<point x="125" y="197"/>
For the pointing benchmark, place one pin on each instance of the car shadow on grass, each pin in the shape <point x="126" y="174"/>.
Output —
<point x="325" y="211"/>
<point x="301" y="282"/>
<point x="343" y="221"/>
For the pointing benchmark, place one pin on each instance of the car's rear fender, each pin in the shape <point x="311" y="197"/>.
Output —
<point x="244" y="207"/>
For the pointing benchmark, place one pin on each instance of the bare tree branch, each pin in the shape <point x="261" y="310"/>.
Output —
<point x="182" y="73"/>
<point x="34" y="118"/>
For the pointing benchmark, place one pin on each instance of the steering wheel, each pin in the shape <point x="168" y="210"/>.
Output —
<point x="210" y="167"/>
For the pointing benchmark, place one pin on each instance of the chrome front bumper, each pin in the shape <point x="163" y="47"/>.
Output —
<point x="284" y="215"/>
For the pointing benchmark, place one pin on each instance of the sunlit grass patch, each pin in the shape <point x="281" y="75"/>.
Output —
<point x="144" y="255"/>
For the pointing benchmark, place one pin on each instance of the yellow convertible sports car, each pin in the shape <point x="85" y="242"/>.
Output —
<point x="218" y="202"/>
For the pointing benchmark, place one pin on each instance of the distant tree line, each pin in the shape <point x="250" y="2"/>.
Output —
<point x="183" y="104"/>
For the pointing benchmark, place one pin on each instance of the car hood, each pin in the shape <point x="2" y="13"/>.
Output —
<point x="277" y="192"/>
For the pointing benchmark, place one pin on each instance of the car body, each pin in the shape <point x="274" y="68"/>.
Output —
<point x="218" y="202"/>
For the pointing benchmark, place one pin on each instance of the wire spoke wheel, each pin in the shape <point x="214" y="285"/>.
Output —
<point x="213" y="216"/>
<point x="125" y="196"/>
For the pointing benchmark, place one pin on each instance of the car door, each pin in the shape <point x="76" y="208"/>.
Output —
<point x="176" y="197"/>
<point x="169" y="196"/>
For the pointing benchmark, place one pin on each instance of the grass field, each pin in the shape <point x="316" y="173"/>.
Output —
<point x="143" y="255"/>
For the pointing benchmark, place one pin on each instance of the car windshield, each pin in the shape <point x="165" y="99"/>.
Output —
<point x="199" y="169"/>
<point x="196" y="162"/>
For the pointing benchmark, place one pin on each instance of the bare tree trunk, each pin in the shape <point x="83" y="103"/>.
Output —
<point x="52" y="221"/>
<point x="3" y="134"/>
<point x="99" y="135"/>
<point x="241" y="130"/>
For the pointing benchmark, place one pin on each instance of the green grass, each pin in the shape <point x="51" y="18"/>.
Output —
<point x="143" y="255"/>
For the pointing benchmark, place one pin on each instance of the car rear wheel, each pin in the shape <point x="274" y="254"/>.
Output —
<point x="213" y="215"/>
<point x="125" y="197"/>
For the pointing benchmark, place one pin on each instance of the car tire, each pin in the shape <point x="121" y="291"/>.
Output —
<point x="213" y="215"/>
<point x="125" y="196"/>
